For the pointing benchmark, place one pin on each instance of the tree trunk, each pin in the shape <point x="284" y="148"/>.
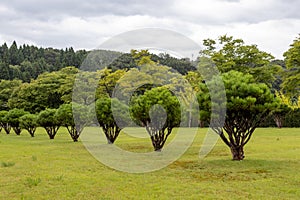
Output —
<point x="237" y="152"/>
<point x="278" y="120"/>
<point x="17" y="130"/>
<point x="158" y="150"/>
<point x="51" y="131"/>
<point x="109" y="142"/>
<point x="158" y="137"/>
<point x="111" y="132"/>
<point x="201" y="124"/>
<point x="75" y="138"/>
<point x="7" y="128"/>
<point x="31" y="131"/>
<point x="190" y="116"/>
<point x="73" y="133"/>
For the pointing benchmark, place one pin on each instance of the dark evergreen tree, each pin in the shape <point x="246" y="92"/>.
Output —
<point x="14" y="57"/>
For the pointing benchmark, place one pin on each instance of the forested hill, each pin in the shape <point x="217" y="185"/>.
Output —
<point x="26" y="62"/>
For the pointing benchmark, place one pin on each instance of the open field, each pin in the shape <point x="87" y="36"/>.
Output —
<point x="37" y="168"/>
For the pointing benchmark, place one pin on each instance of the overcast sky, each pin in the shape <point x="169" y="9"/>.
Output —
<point x="271" y="24"/>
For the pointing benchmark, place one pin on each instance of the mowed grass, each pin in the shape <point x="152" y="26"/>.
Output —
<point x="39" y="168"/>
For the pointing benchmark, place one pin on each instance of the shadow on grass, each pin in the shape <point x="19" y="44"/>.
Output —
<point x="228" y="170"/>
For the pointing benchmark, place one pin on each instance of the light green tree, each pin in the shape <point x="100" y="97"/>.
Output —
<point x="48" y="120"/>
<point x="159" y="111"/>
<point x="13" y="119"/>
<point x="112" y="116"/>
<point x="142" y="57"/>
<point x="291" y="83"/>
<point x="108" y="81"/>
<point x="228" y="54"/>
<point x="85" y="85"/>
<point x="49" y="90"/>
<point x="74" y="117"/>
<point x="29" y="123"/>
<point x="7" y="87"/>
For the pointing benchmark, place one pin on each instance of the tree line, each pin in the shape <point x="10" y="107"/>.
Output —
<point x="256" y="87"/>
<point x="27" y="62"/>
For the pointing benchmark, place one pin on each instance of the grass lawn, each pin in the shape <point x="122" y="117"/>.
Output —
<point x="38" y="168"/>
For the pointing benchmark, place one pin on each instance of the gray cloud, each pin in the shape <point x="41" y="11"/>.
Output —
<point x="56" y="8"/>
<point x="86" y="24"/>
<point x="217" y="11"/>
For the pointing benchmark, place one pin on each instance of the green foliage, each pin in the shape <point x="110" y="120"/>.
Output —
<point x="14" y="55"/>
<point x="85" y="85"/>
<point x="64" y="115"/>
<point x="280" y="113"/>
<point x="4" y="71"/>
<point x="74" y="117"/>
<point x="29" y="123"/>
<point x="99" y="59"/>
<point x="291" y="83"/>
<point x="292" y="118"/>
<point x="112" y="116"/>
<point x="234" y="54"/>
<point x="125" y="61"/>
<point x="107" y="82"/>
<point x="142" y="57"/>
<point x="49" y="90"/>
<point x="7" y="87"/>
<point x="128" y="61"/>
<point x="194" y="78"/>
<point x="137" y="81"/>
<point x="66" y="78"/>
<point x="292" y="59"/>
<point x="289" y="118"/>
<point x="47" y="119"/>
<point x="182" y="66"/>
<point x="159" y="111"/>
<point x="3" y="121"/>
<point x="27" y="62"/>
<point x="13" y="119"/>
<point x="248" y="104"/>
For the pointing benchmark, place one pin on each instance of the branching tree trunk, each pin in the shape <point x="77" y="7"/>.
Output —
<point x="111" y="132"/>
<point x="51" y="131"/>
<point x="239" y="131"/>
<point x="31" y="131"/>
<point x="278" y="120"/>
<point x="75" y="132"/>
<point x="7" y="128"/>
<point x="17" y="130"/>
<point x="158" y="136"/>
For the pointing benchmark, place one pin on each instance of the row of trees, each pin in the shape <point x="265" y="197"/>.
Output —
<point x="52" y="119"/>
<point x="248" y="103"/>
<point x="251" y="79"/>
<point x="49" y="119"/>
